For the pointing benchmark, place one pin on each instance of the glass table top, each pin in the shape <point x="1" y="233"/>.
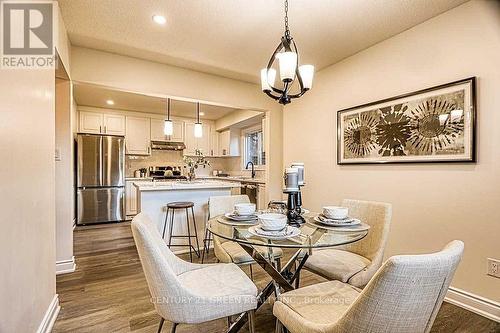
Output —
<point x="312" y="234"/>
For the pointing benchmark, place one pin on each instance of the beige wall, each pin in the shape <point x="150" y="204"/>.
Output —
<point x="433" y="203"/>
<point x="27" y="239"/>
<point x="64" y="175"/>
<point x="237" y="117"/>
<point x="137" y="75"/>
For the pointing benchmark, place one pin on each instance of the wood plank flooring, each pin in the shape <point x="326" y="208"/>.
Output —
<point x="108" y="292"/>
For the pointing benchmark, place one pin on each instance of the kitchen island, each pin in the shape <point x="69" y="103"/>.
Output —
<point x="152" y="198"/>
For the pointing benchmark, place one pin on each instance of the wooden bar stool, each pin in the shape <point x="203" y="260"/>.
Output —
<point x="172" y="206"/>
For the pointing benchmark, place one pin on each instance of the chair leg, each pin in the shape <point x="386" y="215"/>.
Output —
<point x="251" y="321"/>
<point x="171" y="227"/>
<point x="251" y="272"/>
<point x="197" y="251"/>
<point x="206" y="245"/>
<point x="165" y="224"/>
<point x="297" y="280"/>
<point x="174" y="327"/>
<point x="161" y="324"/>
<point x="278" y="264"/>
<point x="189" y="237"/>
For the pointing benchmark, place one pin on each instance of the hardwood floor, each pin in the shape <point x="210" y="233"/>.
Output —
<point x="108" y="292"/>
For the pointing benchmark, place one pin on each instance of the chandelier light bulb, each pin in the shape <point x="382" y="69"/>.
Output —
<point x="307" y="73"/>
<point x="288" y="65"/>
<point x="264" y="82"/>
<point x="267" y="78"/>
<point x="198" y="130"/>
<point x="168" y="128"/>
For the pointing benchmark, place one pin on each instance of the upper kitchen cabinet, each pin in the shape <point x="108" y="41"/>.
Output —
<point x="157" y="131"/>
<point x="192" y="143"/>
<point x="229" y="142"/>
<point x="90" y="122"/>
<point x="138" y="137"/>
<point x="101" y="123"/>
<point x="114" y="124"/>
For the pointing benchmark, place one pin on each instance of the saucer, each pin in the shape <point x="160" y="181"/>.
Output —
<point x="288" y="232"/>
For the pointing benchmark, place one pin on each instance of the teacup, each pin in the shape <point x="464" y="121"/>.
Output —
<point x="335" y="212"/>
<point x="244" y="208"/>
<point x="272" y="221"/>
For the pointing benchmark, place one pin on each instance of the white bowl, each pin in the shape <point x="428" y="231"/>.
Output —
<point x="335" y="212"/>
<point x="244" y="208"/>
<point x="272" y="221"/>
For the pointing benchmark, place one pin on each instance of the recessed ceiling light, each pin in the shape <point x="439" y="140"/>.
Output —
<point x="110" y="102"/>
<point x="202" y="113"/>
<point x="160" y="19"/>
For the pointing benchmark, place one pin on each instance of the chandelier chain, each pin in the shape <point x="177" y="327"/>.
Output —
<point x="287" y="31"/>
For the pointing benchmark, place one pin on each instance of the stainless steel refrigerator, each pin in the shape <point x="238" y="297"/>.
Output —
<point x="100" y="178"/>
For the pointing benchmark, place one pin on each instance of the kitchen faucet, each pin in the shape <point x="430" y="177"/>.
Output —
<point x="253" y="168"/>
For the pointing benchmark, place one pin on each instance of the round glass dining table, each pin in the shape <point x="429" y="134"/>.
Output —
<point x="310" y="235"/>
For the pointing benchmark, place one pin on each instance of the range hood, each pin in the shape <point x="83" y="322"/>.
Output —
<point x="163" y="145"/>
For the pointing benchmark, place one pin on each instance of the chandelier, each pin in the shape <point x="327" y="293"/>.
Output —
<point x="288" y="64"/>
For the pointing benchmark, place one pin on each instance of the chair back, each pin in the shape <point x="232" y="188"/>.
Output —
<point x="376" y="214"/>
<point x="161" y="268"/>
<point x="405" y="294"/>
<point x="219" y="205"/>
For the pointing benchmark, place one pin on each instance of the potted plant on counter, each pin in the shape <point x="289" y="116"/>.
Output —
<point x="194" y="162"/>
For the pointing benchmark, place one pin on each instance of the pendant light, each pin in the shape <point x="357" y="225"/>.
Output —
<point x="168" y="128"/>
<point x="198" y="128"/>
<point x="288" y="65"/>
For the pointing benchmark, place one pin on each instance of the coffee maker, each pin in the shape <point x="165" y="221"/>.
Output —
<point x="294" y="180"/>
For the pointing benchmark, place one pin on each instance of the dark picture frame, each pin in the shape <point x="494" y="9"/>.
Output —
<point x="432" y="125"/>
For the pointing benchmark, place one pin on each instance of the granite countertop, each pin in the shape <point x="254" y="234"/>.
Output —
<point x="138" y="178"/>
<point x="237" y="179"/>
<point x="184" y="185"/>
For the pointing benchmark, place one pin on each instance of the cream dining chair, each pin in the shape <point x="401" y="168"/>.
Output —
<point x="356" y="263"/>
<point x="187" y="293"/>
<point x="404" y="296"/>
<point x="228" y="251"/>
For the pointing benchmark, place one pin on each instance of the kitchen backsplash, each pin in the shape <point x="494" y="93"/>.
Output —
<point x="230" y="165"/>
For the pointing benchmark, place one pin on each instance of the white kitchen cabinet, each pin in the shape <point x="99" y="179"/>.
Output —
<point x="214" y="142"/>
<point x="130" y="198"/>
<point x="229" y="142"/>
<point x="114" y="124"/>
<point x="261" y="197"/>
<point x="90" y="122"/>
<point x="101" y="123"/>
<point x="192" y="143"/>
<point x="138" y="136"/>
<point x="157" y="128"/>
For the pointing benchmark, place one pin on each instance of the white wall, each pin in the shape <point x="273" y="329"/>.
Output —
<point x="433" y="203"/>
<point x="148" y="77"/>
<point x="27" y="238"/>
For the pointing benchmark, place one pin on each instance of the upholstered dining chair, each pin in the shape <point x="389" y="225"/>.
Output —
<point x="357" y="262"/>
<point x="187" y="293"/>
<point x="227" y="251"/>
<point x="404" y="296"/>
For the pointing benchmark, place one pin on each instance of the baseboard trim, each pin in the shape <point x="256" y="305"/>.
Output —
<point x="65" y="266"/>
<point x="474" y="303"/>
<point x="50" y="316"/>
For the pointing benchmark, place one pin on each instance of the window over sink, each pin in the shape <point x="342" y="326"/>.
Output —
<point x="253" y="146"/>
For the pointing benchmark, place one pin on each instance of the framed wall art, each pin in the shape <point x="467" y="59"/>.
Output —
<point x="431" y="125"/>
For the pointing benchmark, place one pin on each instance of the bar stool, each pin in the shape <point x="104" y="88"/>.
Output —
<point x="182" y="205"/>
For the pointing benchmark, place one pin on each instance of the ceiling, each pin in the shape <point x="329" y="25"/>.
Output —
<point x="235" y="38"/>
<point x="96" y="96"/>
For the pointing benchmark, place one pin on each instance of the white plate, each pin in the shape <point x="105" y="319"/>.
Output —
<point x="259" y="232"/>
<point x="337" y="223"/>
<point x="235" y="217"/>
